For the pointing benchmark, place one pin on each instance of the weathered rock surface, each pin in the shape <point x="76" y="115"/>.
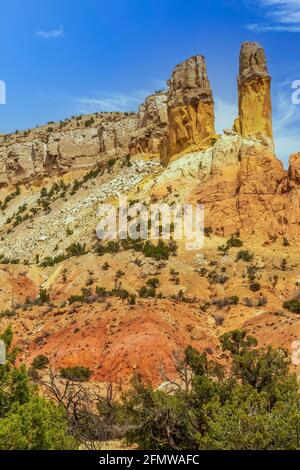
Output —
<point x="294" y="171"/>
<point x="190" y="108"/>
<point x="152" y="125"/>
<point x="255" y="107"/>
<point x="78" y="143"/>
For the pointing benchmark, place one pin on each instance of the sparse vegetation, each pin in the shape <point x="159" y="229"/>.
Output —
<point x="292" y="305"/>
<point x="245" y="255"/>
<point x="76" y="374"/>
<point x="40" y="362"/>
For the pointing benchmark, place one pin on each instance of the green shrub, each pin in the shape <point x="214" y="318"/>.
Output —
<point x="76" y="249"/>
<point x="44" y="297"/>
<point x="253" y="407"/>
<point x="255" y="286"/>
<point x="76" y="374"/>
<point x="153" y="282"/>
<point x="234" y="242"/>
<point x="111" y="162"/>
<point x="245" y="255"/>
<point x="40" y="362"/>
<point x="9" y="313"/>
<point x="147" y="292"/>
<point x="292" y="305"/>
<point x="28" y="421"/>
<point x="208" y="231"/>
<point x="89" y="122"/>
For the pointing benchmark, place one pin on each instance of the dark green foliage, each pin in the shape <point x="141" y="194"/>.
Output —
<point x="76" y="374"/>
<point x="89" y="122"/>
<point x="227" y="301"/>
<point x="255" y="286"/>
<point x="27" y="421"/>
<point x="234" y="242"/>
<point x="153" y="282"/>
<point x="111" y="162"/>
<point x="208" y="231"/>
<point x="160" y="251"/>
<point x="244" y="255"/>
<point x="44" y="297"/>
<point x="8" y="313"/>
<point x="292" y="305"/>
<point x="146" y="292"/>
<point x="75" y="249"/>
<point x="40" y="362"/>
<point x="285" y="242"/>
<point x="217" y="278"/>
<point x="9" y="198"/>
<point x="255" y="407"/>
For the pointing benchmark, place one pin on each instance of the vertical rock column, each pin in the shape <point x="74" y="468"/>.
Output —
<point x="190" y="108"/>
<point x="255" y="107"/>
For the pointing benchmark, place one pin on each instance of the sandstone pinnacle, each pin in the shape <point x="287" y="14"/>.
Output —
<point x="253" y="61"/>
<point x="254" y="83"/>
<point x="190" y="108"/>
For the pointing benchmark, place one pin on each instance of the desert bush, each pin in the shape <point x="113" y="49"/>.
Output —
<point x="244" y="255"/>
<point x="255" y="286"/>
<point x="76" y="374"/>
<point x="292" y="305"/>
<point x="147" y="292"/>
<point x="221" y="303"/>
<point x="40" y="362"/>
<point x="153" y="282"/>
<point x="234" y="242"/>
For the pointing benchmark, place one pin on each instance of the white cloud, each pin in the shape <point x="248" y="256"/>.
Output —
<point x="52" y="34"/>
<point x="114" y="101"/>
<point x="282" y="16"/>
<point x="265" y="28"/>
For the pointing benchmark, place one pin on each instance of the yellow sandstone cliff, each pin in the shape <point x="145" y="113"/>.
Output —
<point x="255" y="107"/>
<point x="190" y="109"/>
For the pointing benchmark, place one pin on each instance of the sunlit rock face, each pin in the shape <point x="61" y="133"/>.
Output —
<point x="190" y="108"/>
<point x="255" y="107"/>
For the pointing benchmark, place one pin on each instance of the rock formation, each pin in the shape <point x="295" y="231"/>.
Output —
<point x="152" y="125"/>
<point x="190" y="108"/>
<point x="255" y="108"/>
<point x="77" y="143"/>
<point x="245" y="190"/>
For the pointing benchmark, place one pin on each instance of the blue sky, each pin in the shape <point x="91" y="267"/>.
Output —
<point x="66" y="57"/>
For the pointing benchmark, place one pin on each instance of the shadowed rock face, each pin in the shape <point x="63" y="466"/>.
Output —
<point x="254" y="83"/>
<point x="190" y="108"/>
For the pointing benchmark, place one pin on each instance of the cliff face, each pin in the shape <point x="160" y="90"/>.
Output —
<point x="255" y="108"/>
<point x="151" y="126"/>
<point x="78" y="143"/>
<point x="166" y="124"/>
<point x="190" y="108"/>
